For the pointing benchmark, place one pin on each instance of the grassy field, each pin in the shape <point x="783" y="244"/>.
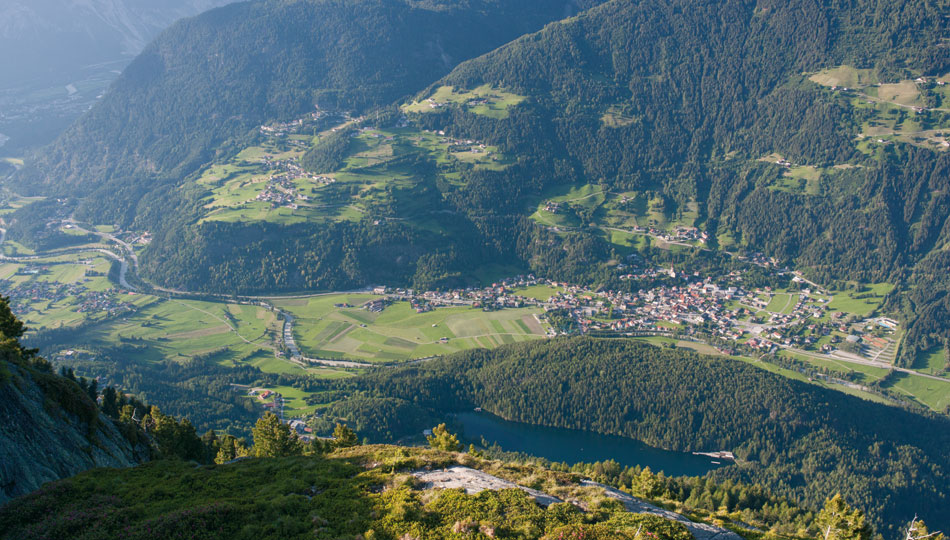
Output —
<point x="929" y="392"/>
<point x="782" y="303"/>
<point x="539" y="292"/>
<point x="483" y="101"/>
<point x="861" y="303"/>
<point x="844" y="76"/>
<point x="398" y="332"/>
<point x="896" y="108"/>
<point x="931" y="361"/>
<point x="74" y="289"/>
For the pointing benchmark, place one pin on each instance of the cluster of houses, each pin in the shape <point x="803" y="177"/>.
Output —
<point x="274" y="402"/>
<point x="24" y="296"/>
<point x="303" y="124"/>
<point x="280" y="189"/>
<point x="720" y="308"/>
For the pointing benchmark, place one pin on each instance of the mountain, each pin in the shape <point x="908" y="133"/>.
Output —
<point x="41" y="37"/>
<point x="58" y="56"/>
<point x="270" y="60"/>
<point x="793" y="438"/>
<point x="682" y="108"/>
<point x="51" y="428"/>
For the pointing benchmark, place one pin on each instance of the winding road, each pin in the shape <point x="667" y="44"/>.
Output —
<point x="128" y="254"/>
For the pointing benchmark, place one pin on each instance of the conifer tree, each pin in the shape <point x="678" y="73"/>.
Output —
<point x="838" y="521"/>
<point x="441" y="439"/>
<point x="272" y="438"/>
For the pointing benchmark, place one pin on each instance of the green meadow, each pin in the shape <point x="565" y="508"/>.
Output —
<point x="399" y="333"/>
<point x="863" y="302"/>
<point x="483" y="100"/>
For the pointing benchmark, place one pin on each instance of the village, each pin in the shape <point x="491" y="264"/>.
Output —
<point x="721" y="311"/>
<point x="25" y="296"/>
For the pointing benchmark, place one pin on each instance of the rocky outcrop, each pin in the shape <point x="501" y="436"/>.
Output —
<point x="700" y="531"/>
<point x="49" y="430"/>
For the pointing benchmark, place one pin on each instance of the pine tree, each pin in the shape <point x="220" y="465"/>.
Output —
<point x="110" y="405"/>
<point x="344" y="437"/>
<point x="272" y="438"/>
<point x="230" y="448"/>
<point x="93" y="389"/>
<point x="838" y="521"/>
<point x="441" y="439"/>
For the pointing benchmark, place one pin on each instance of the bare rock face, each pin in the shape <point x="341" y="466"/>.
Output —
<point x="47" y="435"/>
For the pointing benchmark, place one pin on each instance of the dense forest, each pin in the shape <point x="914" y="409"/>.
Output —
<point x="796" y="439"/>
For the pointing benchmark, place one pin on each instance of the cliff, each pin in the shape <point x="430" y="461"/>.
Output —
<point x="49" y="429"/>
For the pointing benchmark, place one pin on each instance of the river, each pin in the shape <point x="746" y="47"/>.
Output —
<point x="573" y="446"/>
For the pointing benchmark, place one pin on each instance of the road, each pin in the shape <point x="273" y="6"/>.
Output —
<point x="287" y="334"/>
<point x="854" y="359"/>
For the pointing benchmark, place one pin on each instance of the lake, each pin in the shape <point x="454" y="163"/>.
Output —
<point x="573" y="446"/>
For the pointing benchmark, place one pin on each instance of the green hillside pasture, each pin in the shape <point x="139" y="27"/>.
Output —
<point x="929" y="392"/>
<point x="15" y="202"/>
<point x="902" y="93"/>
<point x="399" y="333"/>
<point x="372" y="173"/>
<point x="845" y="76"/>
<point x="888" y="122"/>
<point x="625" y="210"/>
<point x="627" y="242"/>
<point x="484" y="100"/>
<point x="863" y="303"/>
<point x="800" y="179"/>
<point x="931" y="361"/>
<point x="572" y="199"/>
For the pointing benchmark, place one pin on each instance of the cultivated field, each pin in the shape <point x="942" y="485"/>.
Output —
<point x="398" y="332"/>
<point x="484" y="101"/>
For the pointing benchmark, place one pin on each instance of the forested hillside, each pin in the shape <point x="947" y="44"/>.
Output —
<point x="725" y="116"/>
<point x="686" y="101"/>
<point x="794" y="438"/>
<point x="213" y="77"/>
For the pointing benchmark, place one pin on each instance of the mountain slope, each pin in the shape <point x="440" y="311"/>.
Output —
<point x="372" y="492"/>
<point x="684" y="108"/>
<point x="215" y="76"/>
<point x="41" y="37"/>
<point x="50" y="430"/>
<point x="679" y="101"/>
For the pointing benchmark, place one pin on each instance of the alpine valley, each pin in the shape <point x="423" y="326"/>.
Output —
<point x="714" y="234"/>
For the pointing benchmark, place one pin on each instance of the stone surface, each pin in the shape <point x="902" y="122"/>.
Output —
<point x="40" y="442"/>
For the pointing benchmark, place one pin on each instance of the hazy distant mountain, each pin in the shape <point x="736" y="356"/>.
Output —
<point x="39" y="37"/>
<point x="58" y="56"/>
